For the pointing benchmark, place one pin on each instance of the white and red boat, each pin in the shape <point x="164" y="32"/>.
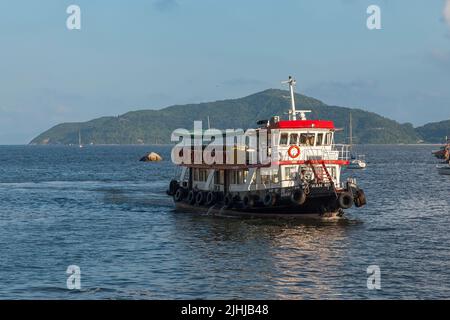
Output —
<point x="288" y="168"/>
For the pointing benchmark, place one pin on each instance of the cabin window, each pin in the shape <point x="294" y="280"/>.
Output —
<point x="232" y="177"/>
<point x="269" y="176"/>
<point x="329" y="139"/>
<point x="219" y="177"/>
<point x="265" y="179"/>
<point x="284" y="139"/>
<point x="238" y="176"/>
<point x="196" y="174"/>
<point x="332" y="172"/>
<point x="275" y="177"/>
<point x="293" y="138"/>
<point x="306" y="174"/>
<point x="319" y="140"/>
<point x="204" y="175"/>
<point x="289" y="173"/>
<point x="200" y="174"/>
<point x="307" y="139"/>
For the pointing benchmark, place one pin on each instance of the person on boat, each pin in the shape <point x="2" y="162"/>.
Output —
<point x="303" y="175"/>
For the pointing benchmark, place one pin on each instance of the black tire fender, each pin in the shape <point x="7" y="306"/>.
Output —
<point x="173" y="186"/>
<point x="360" y="199"/>
<point x="210" y="198"/>
<point x="270" y="199"/>
<point x="298" y="197"/>
<point x="199" y="198"/>
<point x="179" y="195"/>
<point x="191" y="197"/>
<point x="345" y="200"/>
<point x="248" y="201"/>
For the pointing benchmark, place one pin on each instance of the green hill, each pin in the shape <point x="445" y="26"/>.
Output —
<point x="434" y="132"/>
<point x="150" y="126"/>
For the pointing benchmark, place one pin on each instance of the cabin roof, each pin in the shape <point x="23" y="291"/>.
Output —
<point x="298" y="124"/>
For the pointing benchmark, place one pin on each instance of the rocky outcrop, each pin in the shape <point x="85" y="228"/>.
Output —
<point x="151" y="157"/>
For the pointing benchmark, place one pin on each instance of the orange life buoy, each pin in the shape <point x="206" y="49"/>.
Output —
<point x="296" y="154"/>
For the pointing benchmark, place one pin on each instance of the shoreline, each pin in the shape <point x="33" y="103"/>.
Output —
<point x="167" y="144"/>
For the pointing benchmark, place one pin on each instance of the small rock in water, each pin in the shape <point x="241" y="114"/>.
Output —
<point x="152" y="156"/>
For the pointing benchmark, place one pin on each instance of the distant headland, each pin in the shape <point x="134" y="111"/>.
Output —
<point x="156" y="126"/>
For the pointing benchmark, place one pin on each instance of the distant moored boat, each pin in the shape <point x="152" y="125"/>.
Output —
<point x="356" y="161"/>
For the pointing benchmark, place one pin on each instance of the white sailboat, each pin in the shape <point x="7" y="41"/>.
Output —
<point x="357" y="161"/>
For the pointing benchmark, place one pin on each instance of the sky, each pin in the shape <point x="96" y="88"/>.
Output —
<point x="148" y="54"/>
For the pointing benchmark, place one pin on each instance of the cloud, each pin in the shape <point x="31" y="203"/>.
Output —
<point x="165" y="5"/>
<point x="446" y="12"/>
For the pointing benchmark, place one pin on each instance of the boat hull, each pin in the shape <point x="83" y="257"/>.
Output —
<point x="221" y="211"/>
<point x="323" y="207"/>
<point x="444" y="170"/>
<point x="357" y="164"/>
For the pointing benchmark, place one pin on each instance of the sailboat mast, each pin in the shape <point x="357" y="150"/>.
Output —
<point x="351" y="130"/>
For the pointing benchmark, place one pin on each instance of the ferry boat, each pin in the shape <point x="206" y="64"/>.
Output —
<point x="301" y="179"/>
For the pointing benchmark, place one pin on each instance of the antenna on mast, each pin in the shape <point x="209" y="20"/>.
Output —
<point x="293" y="112"/>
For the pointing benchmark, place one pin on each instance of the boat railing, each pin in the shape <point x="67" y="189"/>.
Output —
<point x="334" y="152"/>
<point x="343" y="151"/>
<point x="248" y="156"/>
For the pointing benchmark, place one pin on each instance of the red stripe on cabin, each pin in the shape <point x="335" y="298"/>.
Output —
<point x="338" y="162"/>
<point x="296" y="124"/>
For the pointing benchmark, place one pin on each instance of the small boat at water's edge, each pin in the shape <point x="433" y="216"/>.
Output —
<point x="358" y="163"/>
<point x="443" y="169"/>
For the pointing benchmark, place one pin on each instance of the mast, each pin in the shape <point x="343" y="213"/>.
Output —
<point x="351" y="131"/>
<point x="292" y="112"/>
